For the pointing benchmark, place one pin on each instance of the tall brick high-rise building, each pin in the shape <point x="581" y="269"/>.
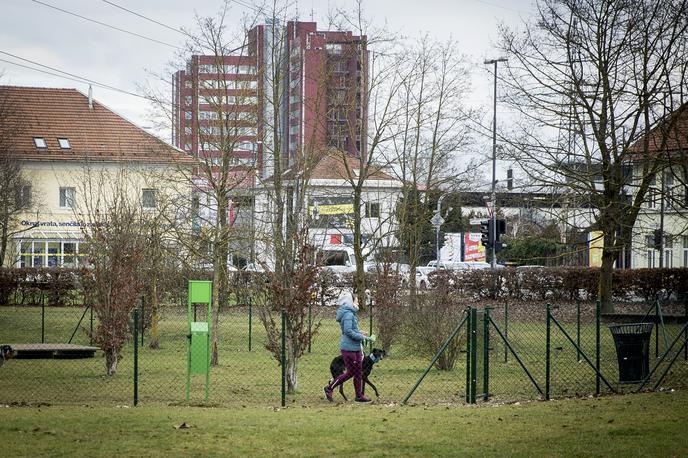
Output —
<point x="313" y="83"/>
<point x="211" y="88"/>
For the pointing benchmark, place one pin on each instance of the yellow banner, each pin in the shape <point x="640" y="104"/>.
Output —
<point x="595" y="246"/>
<point x="335" y="209"/>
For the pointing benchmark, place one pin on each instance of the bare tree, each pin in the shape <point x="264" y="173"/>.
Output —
<point x="365" y="111"/>
<point x="605" y="72"/>
<point x="113" y="229"/>
<point x="282" y="217"/>
<point x="224" y="119"/>
<point x="432" y="133"/>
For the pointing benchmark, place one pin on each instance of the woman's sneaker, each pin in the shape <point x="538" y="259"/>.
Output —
<point x="362" y="399"/>
<point x="328" y="393"/>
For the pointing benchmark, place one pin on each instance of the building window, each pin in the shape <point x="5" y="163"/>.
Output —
<point x="187" y="115"/>
<point x="187" y="84"/>
<point x="669" y="258"/>
<point x="188" y="100"/>
<point x="67" y="197"/>
<point x="650" y="258"/>
<point x="372" y="210"/>
<point x="334" y="48"/>
<point x="148" y="198"/>
<point x="40" y="142"/>
<point x="51" y="253"/>
<point x="24" y="197"/>
<point x="651" y="198"/>
<point x="64" y="143"/>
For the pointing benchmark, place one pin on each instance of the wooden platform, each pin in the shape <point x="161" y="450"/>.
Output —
<point x="52" y="351"/>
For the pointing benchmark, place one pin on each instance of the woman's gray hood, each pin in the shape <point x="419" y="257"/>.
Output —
<point x="344" y="309"/>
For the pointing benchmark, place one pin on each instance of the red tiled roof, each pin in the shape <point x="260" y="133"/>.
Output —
<point x="669" y="135"/>
<point x="96" y="135"/>
<point x="333" y="166"/>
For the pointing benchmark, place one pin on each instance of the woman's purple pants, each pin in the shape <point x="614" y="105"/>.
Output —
<point x="353" y="361"/>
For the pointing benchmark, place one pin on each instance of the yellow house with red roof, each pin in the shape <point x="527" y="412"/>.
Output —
<point x="73" y="153"/>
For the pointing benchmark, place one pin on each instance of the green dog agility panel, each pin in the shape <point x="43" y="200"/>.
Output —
<point x="198" y="333"/>
<point x="200" y="292"/>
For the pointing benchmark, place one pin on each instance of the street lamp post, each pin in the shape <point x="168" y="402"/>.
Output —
<point x="493" y="232"/>
<point x="437" y="221"/>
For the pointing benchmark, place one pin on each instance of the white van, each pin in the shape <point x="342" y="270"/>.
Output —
<point x="340" y="259"/>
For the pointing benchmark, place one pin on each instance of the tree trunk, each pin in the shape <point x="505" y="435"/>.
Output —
<point x="111" y="362"/>
<point x="605" y="285"/>
<point x="3" y="241"/>
<point x="292" y="377"/>
<point x="154" y="336"/>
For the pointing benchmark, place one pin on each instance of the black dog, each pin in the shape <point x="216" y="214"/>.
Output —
<point x="337" y="368"/>
<point x="6" y="353"/>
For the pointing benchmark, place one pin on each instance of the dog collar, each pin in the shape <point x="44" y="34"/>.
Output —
<point x="373" y="358"/>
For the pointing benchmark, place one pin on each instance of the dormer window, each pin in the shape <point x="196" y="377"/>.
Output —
<point x="40" y="142"/>
<point x="64" y="143"/>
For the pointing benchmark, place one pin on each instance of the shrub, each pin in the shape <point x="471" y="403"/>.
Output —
<point x="431" y="318"/>
<point x="385" y="288"/>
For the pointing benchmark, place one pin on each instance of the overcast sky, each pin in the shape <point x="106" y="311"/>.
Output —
<point x="30" y="30"/>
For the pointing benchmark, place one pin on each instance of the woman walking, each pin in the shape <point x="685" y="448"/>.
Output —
<point x="350" y="346"/>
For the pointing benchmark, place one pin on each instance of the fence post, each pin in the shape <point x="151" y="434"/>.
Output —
<point x="250" y="321"/>
<point x="547" y="353"/>
<point x="143" y="317"/>
<point x="486" y="353"/>
<point x="42" y="322"/>
<point x="284" y="358"/>
<point x="656" y="328"/>
<point x="474" y="352"/>
<point x="578" y="329"/>
<point x="598" y="314"/>
<point x="685" y="332"/>
<point x="370" y="333"/>
<point x="468" y="355"/>
<point x="506" y="329"/>
<point x="90" y="336"/>
<point x="136" y="356"/>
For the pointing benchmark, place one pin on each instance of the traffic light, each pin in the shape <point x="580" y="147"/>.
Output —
<point x="501" y="228"/>
<point x="486" y="232"/>
<point x="485" y="229"/>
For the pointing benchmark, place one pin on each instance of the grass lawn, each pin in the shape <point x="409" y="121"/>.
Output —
<point x="650" y="424"/>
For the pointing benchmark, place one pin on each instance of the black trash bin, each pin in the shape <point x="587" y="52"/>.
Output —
<point x="632" y="343"/>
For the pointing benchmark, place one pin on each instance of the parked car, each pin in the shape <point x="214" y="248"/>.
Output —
<point x="404" y="270"/>
<point x="459" y="265"/>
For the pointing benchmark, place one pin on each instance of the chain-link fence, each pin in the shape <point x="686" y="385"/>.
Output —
<point x="437" y="351"/>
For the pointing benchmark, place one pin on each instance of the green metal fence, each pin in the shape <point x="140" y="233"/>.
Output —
<point x="502" y="352"/>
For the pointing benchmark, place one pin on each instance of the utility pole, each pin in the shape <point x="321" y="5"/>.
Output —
<point x="493" y="232"/>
